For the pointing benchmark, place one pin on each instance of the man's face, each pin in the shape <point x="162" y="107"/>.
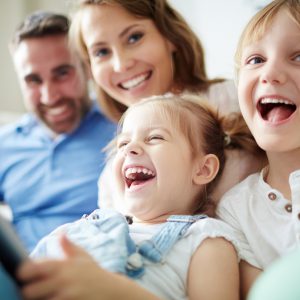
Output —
<point x="52" y="81"/>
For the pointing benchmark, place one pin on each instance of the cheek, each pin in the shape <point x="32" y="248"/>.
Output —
<point x="117" y="171"/>
<point x="100" y="74"/>
<point x="78" y="88"/>
<point x="245" y="88"/>
<point x="80" y="80"/>
<point x="31" y="97"/>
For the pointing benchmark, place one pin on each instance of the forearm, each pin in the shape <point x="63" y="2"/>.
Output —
<point x="124" y="288"/>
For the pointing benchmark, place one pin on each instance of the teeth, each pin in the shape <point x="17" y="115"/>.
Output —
<point x="134" y="82"/>
<point x="131" y="171"/>
<point x="272" y="100"/>
<point x="56" y="111"/>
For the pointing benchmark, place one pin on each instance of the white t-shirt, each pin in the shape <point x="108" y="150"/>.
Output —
<point x="267" y="224"/>
<point x="168" y="280"/>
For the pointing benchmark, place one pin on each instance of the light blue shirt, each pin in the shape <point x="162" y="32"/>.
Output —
<point x="51" y="182"/>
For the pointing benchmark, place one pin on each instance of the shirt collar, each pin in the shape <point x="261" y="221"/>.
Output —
<point x="29" y="122"/>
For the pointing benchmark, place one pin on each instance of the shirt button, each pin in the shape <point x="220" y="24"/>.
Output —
<point x="289" y="208"/>
<point x="134" y="261"/>
<point x="272" y="196"/>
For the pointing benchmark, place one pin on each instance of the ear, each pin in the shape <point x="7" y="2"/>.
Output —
<point x="206" y="169"/>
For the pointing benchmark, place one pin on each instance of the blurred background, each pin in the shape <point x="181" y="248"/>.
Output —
<point x="218" y="23"/>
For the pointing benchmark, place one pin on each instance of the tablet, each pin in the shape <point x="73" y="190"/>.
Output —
<point x="12" y="251"/>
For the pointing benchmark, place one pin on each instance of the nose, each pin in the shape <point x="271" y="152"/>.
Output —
<point x="49" y="94"/>
<point x="273" y="74"/>
<point x="122" y="61"/>
<point x="133" y="148"/>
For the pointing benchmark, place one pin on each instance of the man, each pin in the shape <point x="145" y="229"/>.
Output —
<point x="51" y="159"/>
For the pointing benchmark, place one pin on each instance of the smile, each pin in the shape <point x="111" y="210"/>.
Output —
<point x="57" y="110"/>
<point x="137" y="175"/>
<point x="275" y="109"/>
<point x="136" y="81"/>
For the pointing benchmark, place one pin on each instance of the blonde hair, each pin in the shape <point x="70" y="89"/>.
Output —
<point x="189" y="65"/>
<point x="261" y="22"/>
<point x="205" y="129"/>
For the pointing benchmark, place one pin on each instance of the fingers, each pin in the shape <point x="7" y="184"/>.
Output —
<point x="70" y="249"/>
<point x="39" y="278"/>
<point x="31" y="270"/>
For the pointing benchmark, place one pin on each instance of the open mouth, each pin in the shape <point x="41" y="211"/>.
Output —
<point x="136" y="81"/>
<point x="137" y="176"/>
<point x="275" y="110"/>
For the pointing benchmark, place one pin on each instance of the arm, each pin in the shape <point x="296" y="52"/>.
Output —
<point x="214" y="272"/>
<point x="76" y="277"/>
<point x="248" y="275"/>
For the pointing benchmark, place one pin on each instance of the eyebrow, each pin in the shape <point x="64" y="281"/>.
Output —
<point x="31" y="76"/>
<point x="62" y="67"/>
<point x="122" y="34"/>
<point x="127" y="29"/>
<point x="146" y="130"/>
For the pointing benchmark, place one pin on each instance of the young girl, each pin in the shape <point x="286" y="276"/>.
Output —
<point x="170" y="153"/>
<point x="265" y="207"/>
<point x="149" y="50"/>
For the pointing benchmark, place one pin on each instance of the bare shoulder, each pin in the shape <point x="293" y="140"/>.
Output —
<point x="214" y="272"/>
<point x="215" y="247"/>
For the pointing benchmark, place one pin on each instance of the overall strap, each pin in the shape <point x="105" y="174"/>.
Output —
<point x="160" y="244"/>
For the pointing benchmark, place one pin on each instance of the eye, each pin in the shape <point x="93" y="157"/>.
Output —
<point x="254" y="60"/>
<point x="155" y="137"/>
<point x="63" y="72"/>
<point x="101" y="52"/>
<point x="33" y="80"/>
<point x="297" y="57"/>
<point x="121" y="144"/>
<point x="135" y="37"/>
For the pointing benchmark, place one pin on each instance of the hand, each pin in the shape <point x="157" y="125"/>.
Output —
<point x="75" y="277"/>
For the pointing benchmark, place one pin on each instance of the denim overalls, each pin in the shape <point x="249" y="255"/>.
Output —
<point x="118" y="252"/>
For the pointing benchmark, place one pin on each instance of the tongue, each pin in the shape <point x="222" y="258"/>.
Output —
<point x="137" y="182"/>
<point x="279" y="113"/>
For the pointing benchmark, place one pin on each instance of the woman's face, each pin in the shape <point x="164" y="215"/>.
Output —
<point x="129" y="57"/>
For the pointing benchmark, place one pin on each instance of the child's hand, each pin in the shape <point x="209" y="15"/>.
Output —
<point x="75" y="277"/>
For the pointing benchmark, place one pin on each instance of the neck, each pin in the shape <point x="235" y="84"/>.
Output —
<point x="281" y="165"/>
<point x="158" y="220"/>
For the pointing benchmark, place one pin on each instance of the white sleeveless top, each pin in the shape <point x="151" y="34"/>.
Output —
<point x="168" y="280"/>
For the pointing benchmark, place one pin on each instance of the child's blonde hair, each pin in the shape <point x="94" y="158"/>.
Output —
<point x="205" y="129"/>
<point x="261" y="22"/>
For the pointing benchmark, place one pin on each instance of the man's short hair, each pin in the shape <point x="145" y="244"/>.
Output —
<point x="40" y="24"/>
